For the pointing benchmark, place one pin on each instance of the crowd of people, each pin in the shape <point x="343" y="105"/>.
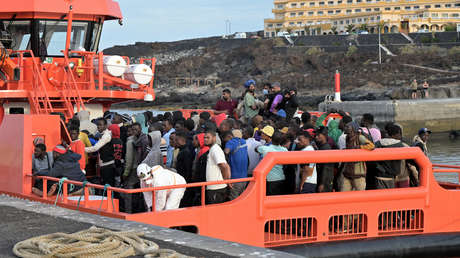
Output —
<point x="168" y="149"/>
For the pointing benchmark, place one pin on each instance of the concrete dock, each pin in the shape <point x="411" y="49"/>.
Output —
<point x="439" y="115"/>
<point x="23" y="219"/>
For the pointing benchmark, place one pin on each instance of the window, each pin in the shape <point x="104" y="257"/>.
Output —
<point x="456" y="15"/>
<point x="372" y="18"/>
<point x="353" y="20"/>
<point x="365" y="19"/>
<point x="369" y="1"/>
<point x="350" y="1"/>
<point x="348" y="11"/>
<point x="20" y="31"/>
<point x="434" y="15"/>
<point x="407" y="7"/>
<point x="302" y="4"/>
<point x="270" y="25"/>
<point x="320" y="12"/>
<point x="445" y="15"/>
<point x="330" y="2"/>
<point x="312" y="3"/>
<point x="280" y="6"/>
<point x="54" y="33"/>
<point x="427" y="6"/>
<point x="339" y="2"/>
<point x="376" y="9"/>
<point x="457" y="5"/>
<point x="357" y="10"/>
<point x="267" y="34"/>
<point x="360" y="20"/>
<point x="311" y="13"/>
<point x="358" y="1"/>
<point x="292" y="14"/>
<point x="300" y="13"/>
<point x="291" y="23"/>
<point x="378" y="18"/>
<point x="310" y="22"/>
<point x="387" y="9"/>
<point x="335" y="22"/>
<point x="368" y="10"/>
<point x="416" y="7"/>
<point x="299" y="23"/>
<point x="448" y="5"/>
<point x="279" y="25"/>
<point x="321" y="3"/>
<point x="293" y="5"/>
<point x="347" y="22"/>
<point x="330" y="12"/>
<point x="338" y="11"/>
<point x="341" y="22"/>
<point x="397" y="8"/>
<point x="437" y="6"/>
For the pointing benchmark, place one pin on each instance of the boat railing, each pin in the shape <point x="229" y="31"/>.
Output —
<point x="448" y="169"/>
<point x="109" y="191"/>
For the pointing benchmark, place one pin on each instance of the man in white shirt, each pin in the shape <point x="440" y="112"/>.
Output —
<point x="217" y="169"/>
<point x="308" y="173"/>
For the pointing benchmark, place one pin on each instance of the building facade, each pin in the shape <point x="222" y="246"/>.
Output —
<point x="317" y="17"/>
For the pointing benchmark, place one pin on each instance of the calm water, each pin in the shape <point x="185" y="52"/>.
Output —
<point x="445" y="151"/>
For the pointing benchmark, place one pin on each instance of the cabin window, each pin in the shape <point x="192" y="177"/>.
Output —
<point x="19" y="34"/>
<point x="52" y="35"/>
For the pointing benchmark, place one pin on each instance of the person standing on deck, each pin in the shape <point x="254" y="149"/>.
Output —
<point x="77" y="146"/>
<point x="184" y="165"/>
<point x="168" y="128"/>
<point x="217" y="169"/>
<point x="226" y="104"/>
<point x="369" y="128"/>
<point x="105" y="149"/>
<point x="250" y="106"/>
<point x="325" y="170"/>
<point x="237" y="151"/>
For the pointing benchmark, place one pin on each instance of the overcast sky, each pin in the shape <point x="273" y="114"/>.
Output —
<point x="166" y="20"/>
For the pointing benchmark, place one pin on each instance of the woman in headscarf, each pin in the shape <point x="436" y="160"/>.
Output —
<point x="333" y="130"/>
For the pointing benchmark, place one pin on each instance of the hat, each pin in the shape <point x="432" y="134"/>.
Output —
<point x="60" y="149"/>
<point x="276" y="84"/>
<point x="143" y="171"/>
<point x="237" y="133"/>
<point x="424" y="130"/>
<point x="268" y="130"/>
<point x="281" y="113"/>
<point x="249" y="83"/>
<point x="284" y="130"/>
<point x="311" y="131"/>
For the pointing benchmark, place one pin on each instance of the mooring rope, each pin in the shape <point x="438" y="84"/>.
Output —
<point x="93" y="242"/>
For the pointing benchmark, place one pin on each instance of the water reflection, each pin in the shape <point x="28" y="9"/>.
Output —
<point x="444" y="151"/>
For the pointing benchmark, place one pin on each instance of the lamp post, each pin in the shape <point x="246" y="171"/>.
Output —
<point x="380" y="49"/>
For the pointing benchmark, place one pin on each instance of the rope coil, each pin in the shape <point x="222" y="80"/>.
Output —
<point x="92" y="242"/>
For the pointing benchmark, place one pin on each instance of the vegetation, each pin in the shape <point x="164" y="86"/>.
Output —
<point x="454" y="51"/>
<point x="350" y="28"/>
<point x="351" y="50"/>
<point x="363" y="27"/>
<point x="334" y="30"/>
<point x="307" y="29"/>
<point x="314" y="51"/>
<point x="450" y="27"/>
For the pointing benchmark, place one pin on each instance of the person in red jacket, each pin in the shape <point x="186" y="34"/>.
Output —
<point x="78" y="146"/>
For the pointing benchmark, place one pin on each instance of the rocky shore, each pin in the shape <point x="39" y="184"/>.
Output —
<point x="309" y="69"/>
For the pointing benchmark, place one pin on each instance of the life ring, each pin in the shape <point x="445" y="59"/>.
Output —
<point x="56" y="74"/>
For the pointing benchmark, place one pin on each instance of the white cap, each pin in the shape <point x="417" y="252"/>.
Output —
<point x="143" y="171"/>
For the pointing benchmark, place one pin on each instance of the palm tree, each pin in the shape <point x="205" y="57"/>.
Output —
<point x="307" y="29"/>
<point x="363" y="27"/>
<point x="334" y="30"/>
<point x="350" y="28"/>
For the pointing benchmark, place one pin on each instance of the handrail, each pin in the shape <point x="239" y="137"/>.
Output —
<point x="445" y="166"/>
<point x="77" y="99"/>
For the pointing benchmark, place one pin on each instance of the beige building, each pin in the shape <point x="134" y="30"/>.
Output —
<point x="314" y="17"/>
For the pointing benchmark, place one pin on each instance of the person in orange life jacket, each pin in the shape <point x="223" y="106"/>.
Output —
<point x="77" y="146"/>
<point x="105" y="150"/>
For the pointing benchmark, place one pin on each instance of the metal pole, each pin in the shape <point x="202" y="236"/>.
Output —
<point x="380" y="49"/>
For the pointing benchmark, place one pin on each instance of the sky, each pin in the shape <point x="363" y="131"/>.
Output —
<point x="154" y="20"/>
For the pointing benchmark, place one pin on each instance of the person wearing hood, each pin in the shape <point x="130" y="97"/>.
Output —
<point x="65" y="165"/>
<point x="154" y="157"/>
<point x="141" y="144"/>
<point x="106" y="153"/>
<point x="85" y="123"/>
<point x="157" y="176"/>
<point x="117" y="152"/>
<point x="333" y="131"/>
<point x="387" y="170"/>
<point x="140" y="118"/>
<point x="421" y="139"/>
<point x="130" y="179"/>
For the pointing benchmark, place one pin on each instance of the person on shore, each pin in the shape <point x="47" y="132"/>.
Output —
<point x="307" y="172"/>
<point x="414" y="87"/>
<point x="237" y="151"/>
<point x="250" y="105"/>
<point x="369" y="128"/>
<point x="421" y="139"/>
<point x="425" y="87"/>
<point x="157" y="176"/>
<point x="325" y="171"/>
<point x="77" y="146"/>
<point x="217" y="169"/>
<point x="275" y="178"/>
<point x="226" y="104"/>
<point x="65" y="165"/>
<point x="354" y="173"/>
<point x="106" y="153"/>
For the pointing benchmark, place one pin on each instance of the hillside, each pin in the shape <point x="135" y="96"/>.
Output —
<point x="308" y="68"/>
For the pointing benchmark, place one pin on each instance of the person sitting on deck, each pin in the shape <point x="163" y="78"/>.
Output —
<point x="157" y="176"/>
<point x="65" y="165"/>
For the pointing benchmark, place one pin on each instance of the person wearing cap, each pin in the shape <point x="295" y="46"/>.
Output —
<point x="266" y="134"/>
<point x="65" y="165"/>
<point x="157" y="176"/>
<point x="275" y="178"/>
<point x="250" y="106"/>
<point x="237" y="151"/>
<point x="226" y="104"/>
<point x="421" y="139"/>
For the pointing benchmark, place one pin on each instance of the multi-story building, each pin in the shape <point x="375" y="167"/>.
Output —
<point x="313" y="17"/>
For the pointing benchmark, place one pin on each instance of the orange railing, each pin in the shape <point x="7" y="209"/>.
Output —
<point x="257" y="219"/>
